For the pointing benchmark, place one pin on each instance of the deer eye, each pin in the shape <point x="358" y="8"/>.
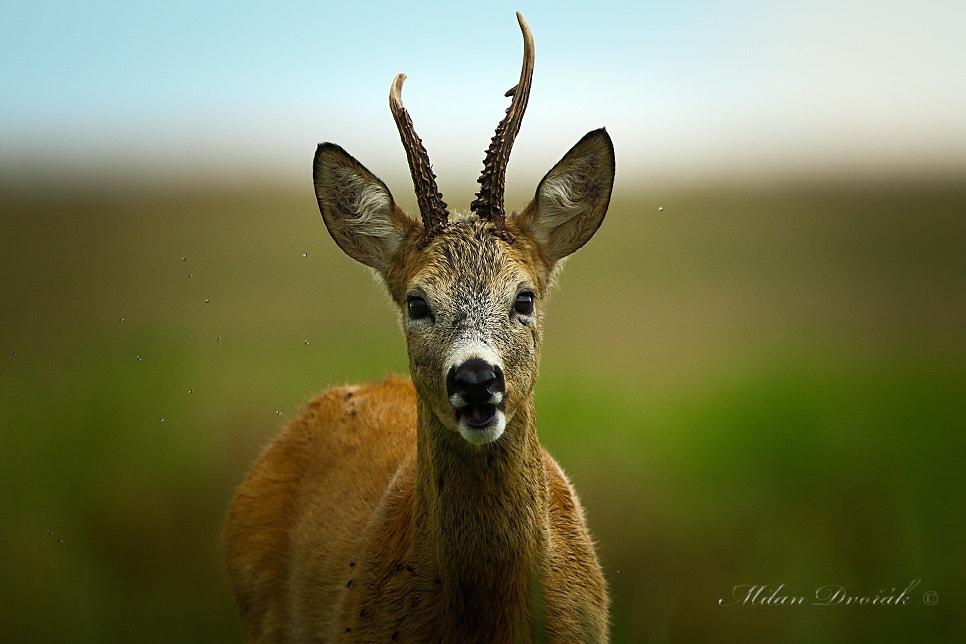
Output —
<point x="524" y="303"/>
<point x="417" y="307"/>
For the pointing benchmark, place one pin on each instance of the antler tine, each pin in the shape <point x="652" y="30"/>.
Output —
<point x="489" y="200"/>
<point x="430" y="200"/>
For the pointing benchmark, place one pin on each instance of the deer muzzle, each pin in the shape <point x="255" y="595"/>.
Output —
<point x="475" y="389"/>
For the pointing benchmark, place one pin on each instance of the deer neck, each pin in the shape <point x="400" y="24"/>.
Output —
<point x="481" y="515"/>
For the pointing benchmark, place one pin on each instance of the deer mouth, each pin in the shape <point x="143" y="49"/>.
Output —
<point x="480" y="423"/>
<point x="477" y="416"/>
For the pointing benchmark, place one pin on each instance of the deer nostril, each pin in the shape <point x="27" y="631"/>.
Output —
<point x="475" y="376"/>
<point x="475" y="381"/>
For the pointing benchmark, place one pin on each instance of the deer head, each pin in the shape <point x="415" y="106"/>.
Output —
<point x="470" y="288"/>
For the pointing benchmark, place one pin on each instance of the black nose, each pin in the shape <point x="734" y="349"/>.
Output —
<point x="476" y="381"/>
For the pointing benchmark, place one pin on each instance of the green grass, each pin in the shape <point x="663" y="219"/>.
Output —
<point x="746" y="387"/>
<point x="800" y="474"/>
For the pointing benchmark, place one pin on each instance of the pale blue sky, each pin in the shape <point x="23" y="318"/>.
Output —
<point x="687" y="89"/>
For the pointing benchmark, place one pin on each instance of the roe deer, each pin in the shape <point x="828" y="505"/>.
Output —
<point x="425" y="509"/>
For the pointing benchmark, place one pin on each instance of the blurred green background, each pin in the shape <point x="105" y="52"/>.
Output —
<point x="760" y="385"/>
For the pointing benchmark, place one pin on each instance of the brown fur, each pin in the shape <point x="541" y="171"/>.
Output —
<point x="371" y="518"/>
<point x="320" y="552"/>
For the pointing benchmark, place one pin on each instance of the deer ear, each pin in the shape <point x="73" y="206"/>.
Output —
<point x="572" y="198"/>
<point x="358" y="208"/>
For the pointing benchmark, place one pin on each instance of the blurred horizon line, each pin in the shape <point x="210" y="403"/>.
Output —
<point x="30" y="171"/>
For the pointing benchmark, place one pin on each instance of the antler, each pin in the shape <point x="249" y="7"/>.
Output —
<point x="430" y="200"/>
<point x="489" y="200"/>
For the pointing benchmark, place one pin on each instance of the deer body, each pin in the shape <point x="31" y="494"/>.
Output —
<point x="426" y="509"/>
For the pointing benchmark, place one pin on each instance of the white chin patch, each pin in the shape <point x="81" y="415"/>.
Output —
<point x="482" y="435"/>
